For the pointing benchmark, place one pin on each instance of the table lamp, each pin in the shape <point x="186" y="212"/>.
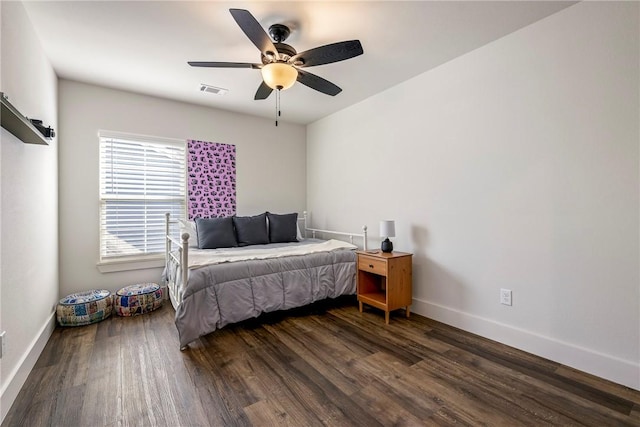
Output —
<point x="387" y="229"/>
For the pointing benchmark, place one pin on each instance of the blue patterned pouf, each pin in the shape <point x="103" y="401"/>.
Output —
<point x="84" y="308"/>
<point x="138" y="299"/>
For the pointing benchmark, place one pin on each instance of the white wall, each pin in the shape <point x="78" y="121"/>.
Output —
<point x="271" y="169"/>
<point x="29" y="199"/>
<point x="514" y="166"/>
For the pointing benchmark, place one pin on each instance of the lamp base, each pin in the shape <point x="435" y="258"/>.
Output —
<point x="386" y="246"/>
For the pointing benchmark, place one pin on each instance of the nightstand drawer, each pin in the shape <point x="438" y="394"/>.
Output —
<point x="372" y="265"/>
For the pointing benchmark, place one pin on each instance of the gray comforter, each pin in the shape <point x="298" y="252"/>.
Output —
<point x="220" y="294"/>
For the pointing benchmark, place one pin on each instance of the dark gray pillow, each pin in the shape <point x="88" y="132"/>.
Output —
<point x="251" y="230"/>
<point x="215" y="233"/>
<point x="283" y="228"/>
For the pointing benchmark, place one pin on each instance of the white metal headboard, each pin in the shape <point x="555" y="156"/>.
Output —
<point x="313" y="231"/>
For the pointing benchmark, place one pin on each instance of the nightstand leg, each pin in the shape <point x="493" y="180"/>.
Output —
<point x="386" y="317"/>
<point x="408" y="310"/>
<point x="360" y="304"/>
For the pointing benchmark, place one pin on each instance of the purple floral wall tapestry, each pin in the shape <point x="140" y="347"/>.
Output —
<point x="211" y="179"/>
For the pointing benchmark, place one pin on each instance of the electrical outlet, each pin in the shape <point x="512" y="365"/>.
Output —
<point x="505" y="296"/>
<point x="3" y="343"/>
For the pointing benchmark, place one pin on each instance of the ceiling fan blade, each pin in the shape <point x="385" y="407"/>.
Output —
<point x="263" y="91"/>
<point x="224" y="64"/>
<point x="252" y="28"/>
<point x="328" y="53"/>
<point x="318" y="83"/>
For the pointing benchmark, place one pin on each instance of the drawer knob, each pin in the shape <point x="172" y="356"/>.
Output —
<point x="370" y="265"/>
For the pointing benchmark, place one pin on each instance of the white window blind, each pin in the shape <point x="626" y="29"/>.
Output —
<point x="141" y="179"/>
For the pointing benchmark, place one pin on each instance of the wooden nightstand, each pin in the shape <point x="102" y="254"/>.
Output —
<point x="384" y="281"/>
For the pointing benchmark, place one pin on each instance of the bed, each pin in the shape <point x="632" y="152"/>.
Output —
<point x="230" y="284"/>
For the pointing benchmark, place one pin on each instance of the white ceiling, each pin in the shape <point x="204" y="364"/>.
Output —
<point x="144" y="46"/>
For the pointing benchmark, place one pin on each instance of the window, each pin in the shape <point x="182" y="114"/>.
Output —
<point x="141" y="179"/>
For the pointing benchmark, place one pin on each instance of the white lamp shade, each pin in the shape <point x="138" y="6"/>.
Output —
<point x="387" y="229"/>
<point x="278" y="75"/>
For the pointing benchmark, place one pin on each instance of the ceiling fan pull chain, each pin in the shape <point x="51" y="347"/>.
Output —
<point x="277" y="105"/>
<point x="278" y="113"/>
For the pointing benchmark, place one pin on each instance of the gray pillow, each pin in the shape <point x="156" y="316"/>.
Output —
<point x="215" y="233"/>
<point x="283" y="228"/>
<point x="251" y="230"/>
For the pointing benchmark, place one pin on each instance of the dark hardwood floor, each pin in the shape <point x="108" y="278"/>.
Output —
<point x="321" y="365"/>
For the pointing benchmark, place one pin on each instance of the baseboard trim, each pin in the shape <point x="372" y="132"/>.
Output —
<point x="17" y="378"/>
<point x="602" y="365"/>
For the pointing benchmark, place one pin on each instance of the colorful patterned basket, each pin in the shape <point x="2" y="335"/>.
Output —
<point x="138" y="299"/>
<point x="84" y="308"/>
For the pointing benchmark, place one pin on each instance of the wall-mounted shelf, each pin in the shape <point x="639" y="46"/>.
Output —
<point x="19" y="125"/>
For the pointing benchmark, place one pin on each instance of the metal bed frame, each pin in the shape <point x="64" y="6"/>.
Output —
<point x="182" y="256"/>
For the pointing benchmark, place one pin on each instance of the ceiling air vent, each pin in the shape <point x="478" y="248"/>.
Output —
<point x="212" y="89"/>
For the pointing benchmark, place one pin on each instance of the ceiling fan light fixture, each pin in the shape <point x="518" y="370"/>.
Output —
<point x="279" y="75"/>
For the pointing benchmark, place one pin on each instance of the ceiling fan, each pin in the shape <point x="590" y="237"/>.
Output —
<point x="281" y="65"/>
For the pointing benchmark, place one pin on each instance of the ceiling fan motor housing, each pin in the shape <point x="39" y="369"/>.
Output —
<point x="284" y="50"/>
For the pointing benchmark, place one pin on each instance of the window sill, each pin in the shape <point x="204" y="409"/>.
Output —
<point x="130" y="264"/>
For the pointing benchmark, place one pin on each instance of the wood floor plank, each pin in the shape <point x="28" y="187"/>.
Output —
<point x="323" y="352"/>
<point x="362" y="337"/>
<point x="540" y="368"/>
<point x="382" y="368"/>
<point x="599" y="383"/>
<point x="337" y="408"/>
<point x="268" y="413"/>
<point x="387" y="412"/>
<point x="38" y="414"/>
<point x="415" y="342"/>
<point x="103" y="392"/>
<point x="333" y="406"/>
<point x="178" y="399"/>
<point x="135" y="385"/>
<point x="69" y="363"/>
<point x="538" y="396"/>
<point x="505" y="390"/>
<point x="409" y="332"/>
<point x="68" y="404"/>
<point x="464" y="393"/>
<point x="300" y="383"/>
<point x="325" y="364"/>
<point x="216" y="392"/>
